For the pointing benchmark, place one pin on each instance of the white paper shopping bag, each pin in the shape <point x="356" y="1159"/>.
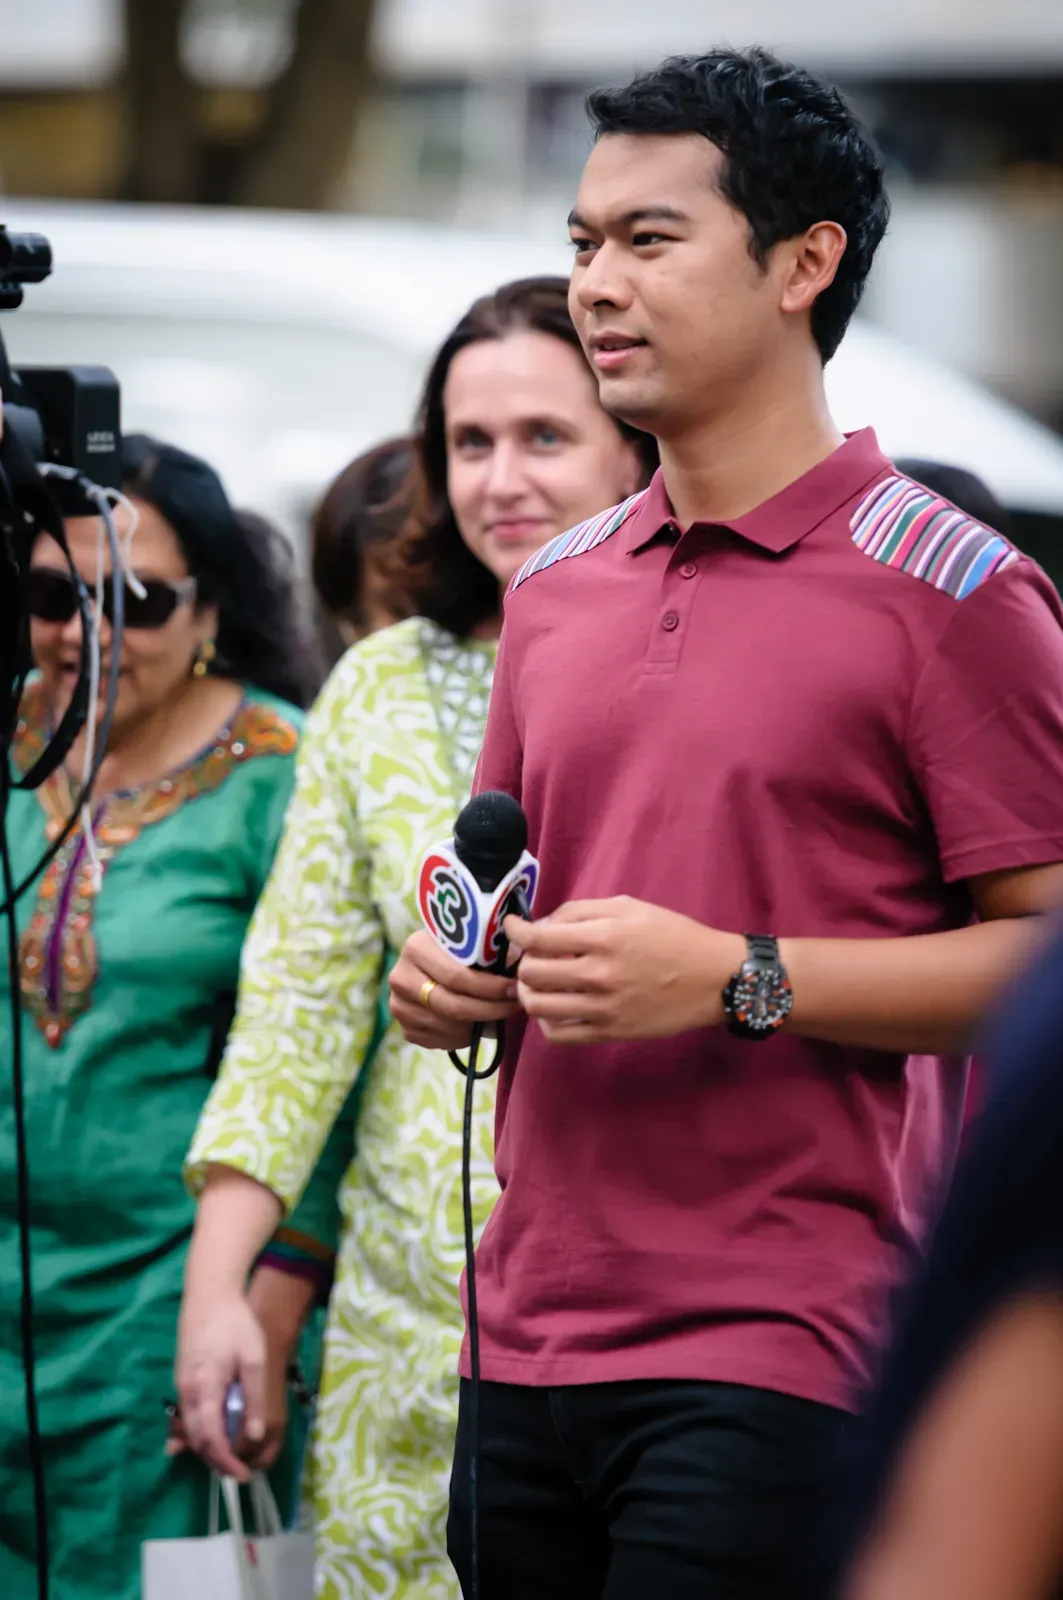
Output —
<point x="266" y="1564"/>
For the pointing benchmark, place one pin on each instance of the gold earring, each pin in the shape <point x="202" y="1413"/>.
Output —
<point x="204" y="656"/>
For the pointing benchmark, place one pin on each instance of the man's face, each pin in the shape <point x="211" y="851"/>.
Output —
<point x="674" y="313"/>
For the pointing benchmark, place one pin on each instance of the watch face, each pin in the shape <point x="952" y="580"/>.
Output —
<point x="761" y="998"/>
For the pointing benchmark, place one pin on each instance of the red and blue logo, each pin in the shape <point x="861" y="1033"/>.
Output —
<point x="526" y="879"/>
<point x="449" y="905"/>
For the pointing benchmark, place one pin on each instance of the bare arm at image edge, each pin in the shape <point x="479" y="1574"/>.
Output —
<point x="975" y="1511"/>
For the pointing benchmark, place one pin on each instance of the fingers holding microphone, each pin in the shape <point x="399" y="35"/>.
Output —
<point x="450" y="977"/>
<point x="594" y="971"/>
<point x="604" y="970"/>
<point x="436" y="1000"/>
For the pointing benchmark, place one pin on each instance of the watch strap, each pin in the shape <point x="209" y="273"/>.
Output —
<point x="763" y="949"/>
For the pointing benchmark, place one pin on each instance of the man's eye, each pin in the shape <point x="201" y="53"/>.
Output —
<point x="642" y="240"/>
<point x="582" y="246"/>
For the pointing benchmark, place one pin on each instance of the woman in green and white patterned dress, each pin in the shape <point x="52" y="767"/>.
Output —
<point x="515" y="449"/>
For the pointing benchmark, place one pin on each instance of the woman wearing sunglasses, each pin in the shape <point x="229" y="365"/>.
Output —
<point x="128" y="959"/>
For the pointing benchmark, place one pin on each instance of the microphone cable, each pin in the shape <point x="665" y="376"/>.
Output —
<point x="22" y="1204"/>
<point x="469" y="1072"/>
<point x="12" y="893"/>
<point x="59" y="748"/>
<point x="472" y="1077"/>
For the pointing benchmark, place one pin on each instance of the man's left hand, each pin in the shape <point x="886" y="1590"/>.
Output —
<point x="621" y="969"/>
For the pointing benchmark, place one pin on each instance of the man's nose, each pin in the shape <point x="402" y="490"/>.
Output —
<point x="601" y="282"/>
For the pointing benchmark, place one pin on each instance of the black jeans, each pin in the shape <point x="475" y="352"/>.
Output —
<point x="644" y="1491"/>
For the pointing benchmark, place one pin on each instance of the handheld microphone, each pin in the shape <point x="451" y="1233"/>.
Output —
<point x="467" y="886"/>
<point x="464" y="890"/>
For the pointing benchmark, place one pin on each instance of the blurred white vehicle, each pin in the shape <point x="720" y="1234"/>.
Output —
<point x="279" y="345"/>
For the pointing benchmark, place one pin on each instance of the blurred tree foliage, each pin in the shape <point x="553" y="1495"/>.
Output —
<point x="290" y="143"/>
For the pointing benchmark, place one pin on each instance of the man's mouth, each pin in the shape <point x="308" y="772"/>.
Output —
<point x="612" y="350"/>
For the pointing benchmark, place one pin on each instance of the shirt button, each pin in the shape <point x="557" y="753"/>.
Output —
<point x="688" y="570"/>
<point x="669" y="621"/>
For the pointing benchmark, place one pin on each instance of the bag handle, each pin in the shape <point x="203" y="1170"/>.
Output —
<point x="264" y="1507"/>
<point x="267" y="1522"/>
<point x="246" y="1573"/>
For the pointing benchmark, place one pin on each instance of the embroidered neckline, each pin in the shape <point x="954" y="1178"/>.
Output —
<point x="34" y="729"/>
<point x="31" y="730"/>
<point x="58" y="957"/>
<point x="458" y="675"/>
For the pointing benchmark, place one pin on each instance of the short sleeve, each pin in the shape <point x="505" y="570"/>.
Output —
<point x="985" y="733"/>
<point x="501" y="758"/>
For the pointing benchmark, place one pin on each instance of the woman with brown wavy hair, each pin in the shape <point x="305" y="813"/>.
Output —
<point x="514" y="450"/>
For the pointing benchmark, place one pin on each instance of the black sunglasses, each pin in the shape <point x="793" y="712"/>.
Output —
<point x="53" y="598"/>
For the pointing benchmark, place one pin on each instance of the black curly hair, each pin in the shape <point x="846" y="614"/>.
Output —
<point x="794" y="155"/>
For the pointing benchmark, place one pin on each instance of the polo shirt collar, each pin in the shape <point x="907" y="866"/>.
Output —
<point x="783" y="520"/>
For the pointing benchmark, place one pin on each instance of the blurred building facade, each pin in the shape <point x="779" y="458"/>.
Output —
<point x="475" y="115"/>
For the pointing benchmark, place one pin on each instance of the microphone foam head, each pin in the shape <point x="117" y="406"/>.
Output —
<point x="490" y="836"/>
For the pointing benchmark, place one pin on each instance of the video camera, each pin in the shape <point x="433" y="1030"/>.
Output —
<point x="67" y="417"/>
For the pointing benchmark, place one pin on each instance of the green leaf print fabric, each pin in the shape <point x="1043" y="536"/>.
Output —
<point x="386" y="761"/>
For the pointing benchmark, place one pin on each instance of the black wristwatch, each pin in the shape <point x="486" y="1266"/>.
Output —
<point x="758" y="999"/>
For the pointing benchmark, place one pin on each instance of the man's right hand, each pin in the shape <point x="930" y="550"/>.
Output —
<point x="435" y="1000"/>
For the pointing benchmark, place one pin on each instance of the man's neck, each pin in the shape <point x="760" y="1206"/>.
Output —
<point x="726" y="465"/>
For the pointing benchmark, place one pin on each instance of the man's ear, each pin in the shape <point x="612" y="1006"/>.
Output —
<point x="813" y="261"/>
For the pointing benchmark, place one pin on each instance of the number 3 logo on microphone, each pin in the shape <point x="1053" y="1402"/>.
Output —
<point x="525" y="877"/>
<point x="450" y="905"/>
<point x="462" y="917"/>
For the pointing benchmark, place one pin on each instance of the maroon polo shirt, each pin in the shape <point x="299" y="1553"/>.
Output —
<point x="817" y="720"/>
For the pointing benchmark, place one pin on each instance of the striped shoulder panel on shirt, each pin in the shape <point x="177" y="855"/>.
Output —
<point x="903" y="525"/>
<point x="583" y="537"/>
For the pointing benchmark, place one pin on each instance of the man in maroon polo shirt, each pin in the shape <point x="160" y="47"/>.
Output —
<point x="789" y="733"/>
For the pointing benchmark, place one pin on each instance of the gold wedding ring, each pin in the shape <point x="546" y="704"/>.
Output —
<point x="425" y="996"/>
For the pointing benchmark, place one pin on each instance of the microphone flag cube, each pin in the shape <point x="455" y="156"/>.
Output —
<point x="465" y="920"/>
